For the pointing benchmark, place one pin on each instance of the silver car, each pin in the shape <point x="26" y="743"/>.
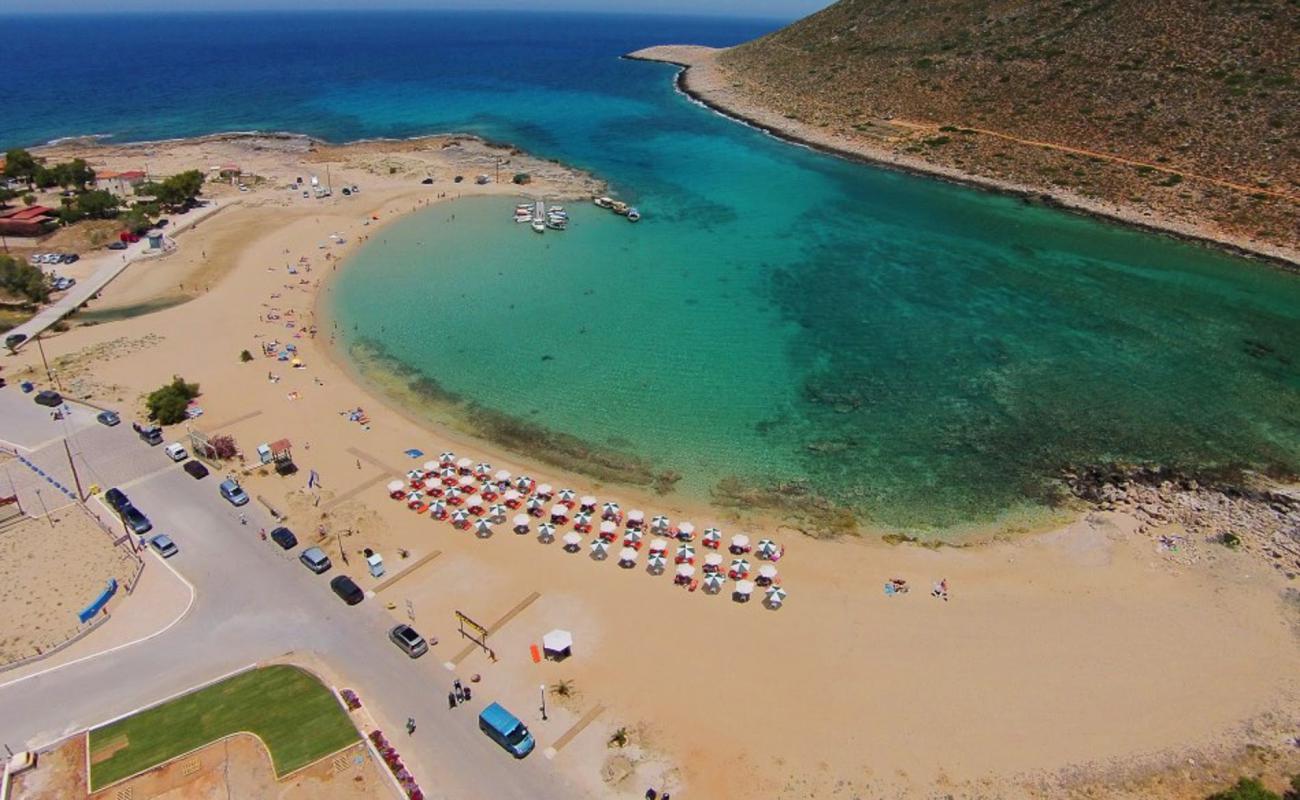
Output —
<point x="163" y="545"/>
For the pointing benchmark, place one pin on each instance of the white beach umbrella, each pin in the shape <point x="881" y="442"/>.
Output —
<point x="497" y="512"/>
<point x="582" y="520"/>
<point x="395" y="486"/>
<point x="744" y="588"/>
<point x="559" y="513"/>
<point x="713" y="560"/>
<point x="437" y="509"/>
<point x="685" y="552"/>
<point x="588" y="502"/>
<point x="627" y="554"/>
<point x="524" y="484"/>
<point x="685" y="570"/>
<point x="657" y="545"/>
<point x="659" y="523"/>
<point x="459" y="517"/>
<point x="414" y="475"/>
<point x="635" y="518"/>
<point x="739" y="542"/>
<point x="431" y="466"/>
<point x="501" y="476"/>
<point x="572" y="541"/>
<point x="711" y="536"/>
<point x="449" y="475"/>
<point x="714" y="581"/>
<point x="413" y="496"/>
<point x="767" y="572"/>
<point x="476" y="504"/>
<point x="599" y="549"/>
<point x="656" y="562"/>
<point x="610" y="511"/>
<point x="464" y="464"/>
<point x="512" y="496"/>
<point x="739" y="567"/>
<point x="545" y="491"/>
<point x="766" y="548"/>
<point x="557" y="641"/>
<point x="453" y="496"/>
<point x="446" y="458"/>
<point x="608" y="529"/>
<point x="482" y="528"/>
<point x="467" y="486"/>
<point x="482" y="470"/>
<point x="686" y="531"/>
<point x="775" y="596"/>
<point x="632" y="535"/>
<point x="521" y="523"/>
<point x="566" y="496"/>
<point x="534" y="505"/>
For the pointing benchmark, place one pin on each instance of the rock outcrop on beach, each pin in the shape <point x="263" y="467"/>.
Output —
<point x="1179" y="112"/>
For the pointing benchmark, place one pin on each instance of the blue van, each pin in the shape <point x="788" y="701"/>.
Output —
<point x="506" y="730"/>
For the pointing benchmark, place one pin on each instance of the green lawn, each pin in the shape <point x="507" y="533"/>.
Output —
<point x="296" y="716"/>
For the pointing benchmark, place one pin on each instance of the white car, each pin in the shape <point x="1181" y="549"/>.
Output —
<point x="175" y="452"/>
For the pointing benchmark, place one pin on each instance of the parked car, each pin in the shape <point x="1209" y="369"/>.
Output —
<point x="162" y="223"/>
<point x="150" y="434"/>
<point x="117" y="245"/>
<point x="15" y="339"/>
<point x="412" y="643"/>
<point x="232" y="491"/>
<point x="71" y="258"/>
<point x="116" y="499"/>
<point x="347" y="589"/>
<point x="195" y="469"/>
<point x="315" y="560"/>
<point x="135" y="519"/>
<point x="506" y="730"/>
<point x="109" y="418"/>
<point x="163" y="545"/>
<point x="285" y="538"/>
<point x="49" y="397"/>
<point x="176" y="452"/>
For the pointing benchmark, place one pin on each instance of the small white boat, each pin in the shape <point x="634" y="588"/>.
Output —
<point x="603" y="202"/>
<point x="619" y="207"/>
<point x="633" y="215"/>
<point x="556" y="224"/>
<point x="539" y="226"/>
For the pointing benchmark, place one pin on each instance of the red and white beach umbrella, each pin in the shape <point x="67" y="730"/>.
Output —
<point x="483" y="528"/>
<point x="635" y="518"/>
<point x="766" y="549"/>
<point x="685" y="553"/>
<point x="611" y="511"/>
<point x="711" y="537"/>
<point x="396" y="489"/>
<point x="566" y="497"/>
<point x="659" y="524"/>
<point x="545" y="492"/>
<point x="446" y="458"/>
<point x="559" y="514"/>
<point x="587" y="503"/>
<point x="512" y="498"/>
<point x="739" y="543"/>
<point x="497" y="513"/>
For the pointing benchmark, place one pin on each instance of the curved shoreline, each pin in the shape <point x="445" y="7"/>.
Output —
<point x="1283" y="259"/>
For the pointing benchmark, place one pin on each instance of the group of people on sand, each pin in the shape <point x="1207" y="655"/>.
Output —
<point x="895" y="586"/>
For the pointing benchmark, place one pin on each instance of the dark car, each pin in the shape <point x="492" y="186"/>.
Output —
<point x="162" y="223"/>
<point x="49" y="397"/>
<point x="117" y="246"/>
<point x="135" y="519"/>
<point x="285" y="538"/>
<point x="427" y="181"/>
<point x="116" y="499"/>
<point x="347" y="589"/>
<point x="15" y="339"/>
<point x="195" y="469"/>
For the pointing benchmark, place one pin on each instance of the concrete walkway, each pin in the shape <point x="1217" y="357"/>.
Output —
<point x="108" y="266"/>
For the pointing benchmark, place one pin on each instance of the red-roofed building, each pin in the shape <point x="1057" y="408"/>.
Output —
<point x="27" y="221"/>
<point x="121" y="184"/>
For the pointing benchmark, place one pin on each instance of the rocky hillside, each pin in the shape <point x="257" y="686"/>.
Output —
<point x="1189" y="108"/>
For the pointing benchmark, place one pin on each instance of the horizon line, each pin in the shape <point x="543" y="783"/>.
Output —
<point x="171" y="12"/>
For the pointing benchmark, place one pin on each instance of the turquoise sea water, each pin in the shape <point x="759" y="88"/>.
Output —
<point x="924" y="354"/>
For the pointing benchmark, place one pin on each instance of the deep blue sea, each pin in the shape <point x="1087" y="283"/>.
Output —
<point x="926" y="355"/>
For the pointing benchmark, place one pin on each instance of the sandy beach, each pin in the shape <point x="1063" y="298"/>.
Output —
<point x="1090" y="657"/>
<point x="703" y="79"/>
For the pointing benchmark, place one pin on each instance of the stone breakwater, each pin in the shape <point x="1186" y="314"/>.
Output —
<point x="1258" y="519"/>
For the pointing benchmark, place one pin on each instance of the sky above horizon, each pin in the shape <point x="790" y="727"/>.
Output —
<point x="788" y="9"/>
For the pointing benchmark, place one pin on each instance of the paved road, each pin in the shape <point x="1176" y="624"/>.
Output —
<point x="108" y="264"/>
<point x="257" y="602"/>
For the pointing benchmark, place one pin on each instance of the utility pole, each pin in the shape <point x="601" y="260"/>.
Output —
<point x="45" y="508"/>
<point x="543" y="702"/>
<point x="48" y="374"/>
<point x="81" y="496"/>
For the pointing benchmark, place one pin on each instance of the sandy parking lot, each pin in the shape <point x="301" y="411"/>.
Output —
<point x="48" y="573"/>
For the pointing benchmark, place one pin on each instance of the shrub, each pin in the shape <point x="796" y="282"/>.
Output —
<point x="167" y="404"/>
<point x="223" y="446"/>
<point x="1245" y="789"/>
<point x="245" y="356"/>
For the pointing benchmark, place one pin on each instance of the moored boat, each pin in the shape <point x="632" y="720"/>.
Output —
<point x="619" y="207"/>
<point x="633" y="215"/>
<point x="603" y="202"/>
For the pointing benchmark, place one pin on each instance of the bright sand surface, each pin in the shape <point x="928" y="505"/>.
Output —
<point x="1081" y="655"/>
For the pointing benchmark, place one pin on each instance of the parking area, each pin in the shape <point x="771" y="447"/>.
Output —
<point x="29" y="425"/>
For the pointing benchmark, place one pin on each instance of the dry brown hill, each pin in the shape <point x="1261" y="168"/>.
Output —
<point x="1188" y="108"/>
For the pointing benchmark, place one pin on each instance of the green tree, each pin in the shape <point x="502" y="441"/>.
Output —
<point x="29" y="199"/>
<point x="77" y="174"/>
<point x="167" y="404"/>
<point x="136" y="219"/>
<point x="1245" y="789"/>
<point x="19" y="278"/>
<point x="177" y="190"/>
<point x="98" y="204"/>
<point x="20" y="164"/>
